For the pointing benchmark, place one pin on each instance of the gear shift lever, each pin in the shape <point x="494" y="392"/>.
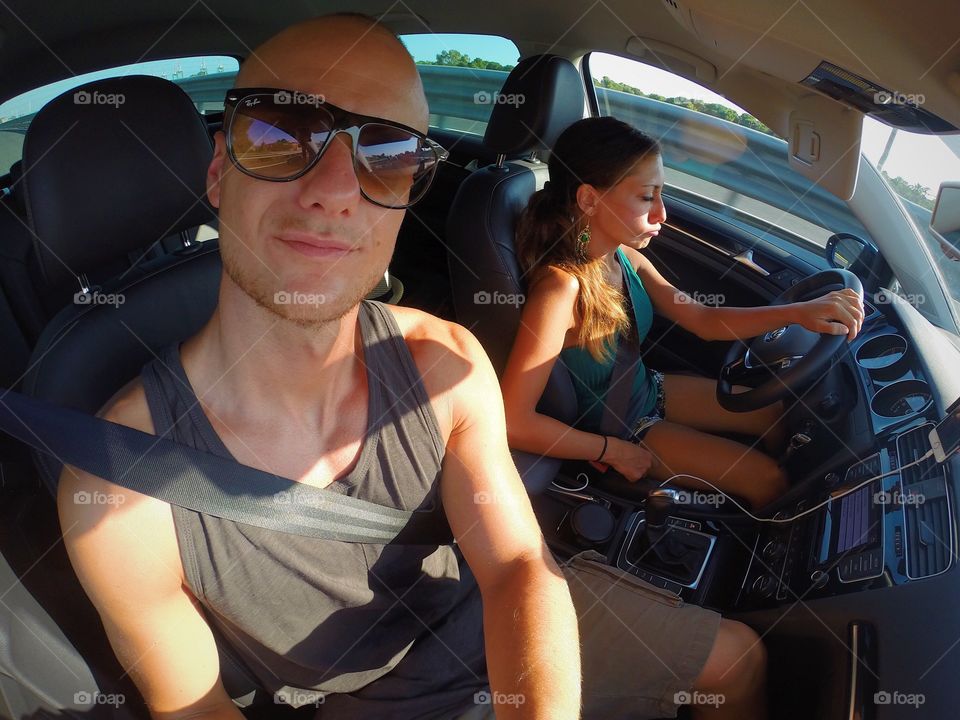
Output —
<point x="660" y="502"/>
<point x="671" y="552"/>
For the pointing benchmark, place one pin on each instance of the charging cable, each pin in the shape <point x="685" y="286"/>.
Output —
<point x="830" y="499"/>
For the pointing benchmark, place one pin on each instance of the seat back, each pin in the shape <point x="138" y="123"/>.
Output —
<point x="113" y="168"/>
<point x="485" y="277"/>
<point x="109" y="169"/>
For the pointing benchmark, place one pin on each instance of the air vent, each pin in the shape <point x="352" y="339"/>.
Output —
<point x="911" y="446"/>
<point x="926" y="507"/>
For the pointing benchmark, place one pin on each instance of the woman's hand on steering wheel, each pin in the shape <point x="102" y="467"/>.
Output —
<point x="837" y="313"/>
<point x="627" y="458"/>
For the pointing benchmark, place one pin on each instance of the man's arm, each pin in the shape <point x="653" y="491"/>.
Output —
<point x="530" y="626"/>
<point x="123" y="548"/>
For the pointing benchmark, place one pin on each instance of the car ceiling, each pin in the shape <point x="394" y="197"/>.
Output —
<point x="752" y="51"/>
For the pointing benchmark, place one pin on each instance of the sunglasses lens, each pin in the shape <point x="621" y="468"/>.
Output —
<point x="394" y="166"/>
<point x="276" y="141"/>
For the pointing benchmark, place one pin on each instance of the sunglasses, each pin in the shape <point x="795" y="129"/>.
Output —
<point x="279" y="135"/>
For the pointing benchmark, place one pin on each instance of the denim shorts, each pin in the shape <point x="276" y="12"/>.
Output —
<point x="658" y="413"/>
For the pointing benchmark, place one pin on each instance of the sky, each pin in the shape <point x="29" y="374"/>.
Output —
<point x="426" y="46"/>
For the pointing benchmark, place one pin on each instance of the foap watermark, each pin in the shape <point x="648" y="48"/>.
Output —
<point x="295" y="97"/>
<point x="95" y="297"/>
<point x="695" y="497"/>
<point x="712" y="299"/>
<point x="85" y="97"/>
<point x="499" y="298"/>
<point x="699" y="698"/>
<point x="283" y="297"/>
<point x="299" y="698"/>
<point x="885" y="697"/>
<point x="486" y="497"/>
<point x="885" y="297"/>
<point x="83" y="497"/>
<point x="892" y="97"/>
<point x="492" y="697"/>
<point x="84" y="697"/>
<point x="305" y="496"/>
<point x="898" y="497"/>
<point x="482" y="97"/>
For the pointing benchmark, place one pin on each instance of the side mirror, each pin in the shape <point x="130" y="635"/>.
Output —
<point x="845" y="250"/>
<point x="945" y="219"/>
<point x="859" y="256"/>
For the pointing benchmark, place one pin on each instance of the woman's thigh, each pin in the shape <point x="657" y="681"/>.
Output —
<point x="692" y="401"/>
<point x="731" y="466"/>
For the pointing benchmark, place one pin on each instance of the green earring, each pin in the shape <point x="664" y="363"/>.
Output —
<point x="583" y="239"/>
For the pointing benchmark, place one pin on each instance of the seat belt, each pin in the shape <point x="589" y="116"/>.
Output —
<point x="182" y="475"/>
<point x="617" y="398"/>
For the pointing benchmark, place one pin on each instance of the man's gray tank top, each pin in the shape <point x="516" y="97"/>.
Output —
<point x="369" y="631"/>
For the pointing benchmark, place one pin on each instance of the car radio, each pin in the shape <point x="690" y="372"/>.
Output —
<point x="851" y="528"/>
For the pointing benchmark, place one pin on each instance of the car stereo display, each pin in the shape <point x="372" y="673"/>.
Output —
<point x="854" y="520"/>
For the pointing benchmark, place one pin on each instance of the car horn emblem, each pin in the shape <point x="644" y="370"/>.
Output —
<point x="774" y="334"/>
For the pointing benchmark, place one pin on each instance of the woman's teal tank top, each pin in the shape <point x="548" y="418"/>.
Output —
<point x="591" y="378"/>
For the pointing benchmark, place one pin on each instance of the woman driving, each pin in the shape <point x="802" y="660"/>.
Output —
<point x="580" y="244"/>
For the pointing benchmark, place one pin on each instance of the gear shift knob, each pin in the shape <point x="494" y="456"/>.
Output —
<point x="660" y="503"/>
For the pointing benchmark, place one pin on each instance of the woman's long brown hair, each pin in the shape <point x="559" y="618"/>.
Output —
<point x="599" y="152"/>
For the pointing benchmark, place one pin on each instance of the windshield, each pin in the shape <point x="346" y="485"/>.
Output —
<point x="914" y="165"/>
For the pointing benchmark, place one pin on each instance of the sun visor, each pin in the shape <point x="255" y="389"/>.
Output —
<point x="894" y="108"/>
<point x="825" y="143"/>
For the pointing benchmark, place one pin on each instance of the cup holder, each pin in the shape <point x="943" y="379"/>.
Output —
<point x="884" y="356"/>
<point x="901" y="399"/>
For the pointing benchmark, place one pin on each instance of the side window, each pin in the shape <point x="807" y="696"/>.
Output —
<point x="462" y="76"/>
<point x="718" y="156"/>
<point x="205" y="79"/>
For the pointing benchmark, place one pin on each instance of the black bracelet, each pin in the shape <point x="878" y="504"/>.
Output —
<point x="604" y="451"/>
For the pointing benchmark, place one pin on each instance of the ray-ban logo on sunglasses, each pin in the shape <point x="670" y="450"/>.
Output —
<point x="286" y="97"/>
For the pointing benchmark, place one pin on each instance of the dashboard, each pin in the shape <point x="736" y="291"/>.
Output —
<point x="898" y="528"/>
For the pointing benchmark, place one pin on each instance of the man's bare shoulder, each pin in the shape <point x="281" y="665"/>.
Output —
<point x="105" y="513"/>
<point x="447" y="355"/>
<point x="129" y="407"/>
<point x="434" y="338"/>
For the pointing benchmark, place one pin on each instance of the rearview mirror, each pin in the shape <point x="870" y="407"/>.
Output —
<point x="945" y="220"/>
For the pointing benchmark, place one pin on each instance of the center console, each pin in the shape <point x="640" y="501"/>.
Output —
<point x="862" y="514"/>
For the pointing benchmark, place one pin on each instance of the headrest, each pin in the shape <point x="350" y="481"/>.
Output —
<point x="543" y="95"/>
<point x="110" y="167"/>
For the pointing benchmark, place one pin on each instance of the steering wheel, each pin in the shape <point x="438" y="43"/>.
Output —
<point x="783" y="361"/>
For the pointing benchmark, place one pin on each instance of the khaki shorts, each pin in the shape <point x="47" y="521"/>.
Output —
<point x="640" y="645"/>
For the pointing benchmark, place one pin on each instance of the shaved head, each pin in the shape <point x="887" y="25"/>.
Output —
<point x="352" y="60"/>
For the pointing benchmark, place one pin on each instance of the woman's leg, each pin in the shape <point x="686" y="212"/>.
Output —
<point x="692" y="401"/>
<point x="733" y="467"/>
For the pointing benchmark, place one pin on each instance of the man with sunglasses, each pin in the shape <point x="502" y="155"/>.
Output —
<point x="324" y="145"/>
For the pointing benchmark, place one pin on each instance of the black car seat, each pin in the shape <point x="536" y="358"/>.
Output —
<point x="483" y="218"/>
<point x="103" y="180"/>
